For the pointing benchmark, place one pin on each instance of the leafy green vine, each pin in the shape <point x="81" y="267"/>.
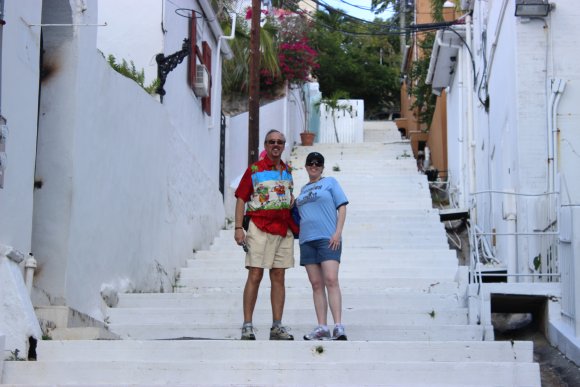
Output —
<point x="129" y="70"/>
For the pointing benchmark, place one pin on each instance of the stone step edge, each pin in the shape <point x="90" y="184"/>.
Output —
<point x="516" y="351"/>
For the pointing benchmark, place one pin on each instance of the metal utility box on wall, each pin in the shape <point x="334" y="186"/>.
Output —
<point x="201" y="84"/>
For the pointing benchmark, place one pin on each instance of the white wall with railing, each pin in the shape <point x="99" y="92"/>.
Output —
<point x="569" y="251"/>
<point x="523" y="187"/>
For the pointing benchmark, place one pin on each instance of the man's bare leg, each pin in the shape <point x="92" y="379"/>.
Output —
<point x="255" y="275"/>
<point x="278" y="293"/>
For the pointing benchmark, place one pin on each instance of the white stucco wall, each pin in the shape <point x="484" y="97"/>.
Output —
<point x="126" y="197"/>
<point x="510" y="138"/>
<point x="19" y="104"/>
<point x="564" y="24"/>
<point x="523" y="58"/>
<point x="497" y="146"/>
<point x="17" y="319"/>
<point x="456" y="124"/>
<point x="196" y="128"/>
<point x="138" y="30"/>
<point x="134" y="32"/>
<point x="567" y="67"/>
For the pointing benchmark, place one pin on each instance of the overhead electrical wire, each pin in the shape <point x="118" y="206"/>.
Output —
<point x="356" y="6"/>
<point x="397" y="30"/>
<point x="381" y="29"/>
<point x="392" y="29"/>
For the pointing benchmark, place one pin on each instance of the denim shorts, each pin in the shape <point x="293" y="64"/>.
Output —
<point x="318" y="251"/>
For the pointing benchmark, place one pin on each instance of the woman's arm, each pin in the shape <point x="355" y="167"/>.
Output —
<point x="335" y="239"/>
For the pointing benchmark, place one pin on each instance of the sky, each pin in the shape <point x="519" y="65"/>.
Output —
<point x="356" y="10"/>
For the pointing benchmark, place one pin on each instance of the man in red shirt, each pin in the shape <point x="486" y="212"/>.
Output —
<point x="266" y="190"/>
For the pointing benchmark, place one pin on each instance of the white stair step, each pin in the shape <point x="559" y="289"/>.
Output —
<point x="363" y="256"/>
<point x="408" y="243"/>
<point x="231" y="331"/>
<point x="298" y="275"/>
<point x="396" y="237"/>
<point x="406" y="240"/>
<point x="431" y="271"/>
<point x="384" y="188"/>
<point x="421" y="227"/>
<point x="395" y="223"/>
<point x="357" y="243"/>
<point x="363" y="241"/>
<point x="421" y="232"/>
<point x="349" y="262"/>
<point x="81" y="333"/>
<point x="427" y="284"/>
<point x="350" y="316"/>
<point x="229" y="300"/>
<point x="260" y="350"/>
<point x="278" y="372"/>
<point x="357" y="251"/>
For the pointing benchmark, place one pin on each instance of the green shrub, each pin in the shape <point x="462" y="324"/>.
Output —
<point x="129" y="70"/>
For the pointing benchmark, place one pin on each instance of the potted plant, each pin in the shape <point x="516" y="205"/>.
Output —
<point x="307" y="138"/>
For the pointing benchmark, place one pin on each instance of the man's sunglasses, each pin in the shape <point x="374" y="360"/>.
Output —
<point x="314" y="164"/>
<point x="274" y="142"/>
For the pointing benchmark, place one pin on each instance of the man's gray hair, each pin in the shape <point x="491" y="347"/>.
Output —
<point x="273" y="131"/>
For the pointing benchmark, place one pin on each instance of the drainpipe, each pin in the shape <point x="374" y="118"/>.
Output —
<point x="470" y="126"/>
<point x="3" y="127"/>
<point x="496" y="37"/>
<point x="509" y="212"/>
<point x="29" y="268"/>
<point x="557" y="88"/>
<point x="217" y="71"/>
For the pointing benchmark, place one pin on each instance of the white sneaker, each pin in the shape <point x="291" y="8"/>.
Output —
<point x="338" y="333"/>
<point x="318" y="333"/>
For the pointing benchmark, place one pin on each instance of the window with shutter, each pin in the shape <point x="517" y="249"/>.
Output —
<point x="206" y="101"/>
<point x="193" y="47"/>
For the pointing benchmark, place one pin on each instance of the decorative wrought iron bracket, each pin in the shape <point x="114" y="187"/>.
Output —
<point x="167" y="63"/>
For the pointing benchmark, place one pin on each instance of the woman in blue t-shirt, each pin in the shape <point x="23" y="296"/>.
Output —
<point x="322" y="208"/>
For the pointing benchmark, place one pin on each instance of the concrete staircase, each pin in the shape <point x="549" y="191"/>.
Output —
<point x="404" y="300"/>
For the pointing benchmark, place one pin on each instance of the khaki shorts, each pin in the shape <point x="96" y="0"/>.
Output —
<point x="269" y="251"/>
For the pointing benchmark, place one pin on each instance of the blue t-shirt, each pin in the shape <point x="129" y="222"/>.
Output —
<point x="317" y="204"/>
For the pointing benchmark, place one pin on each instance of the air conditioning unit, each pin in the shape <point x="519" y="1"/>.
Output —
<point x="201" y="82"/>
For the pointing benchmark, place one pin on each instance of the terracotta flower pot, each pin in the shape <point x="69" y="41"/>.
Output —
<point x="307" y="138"/>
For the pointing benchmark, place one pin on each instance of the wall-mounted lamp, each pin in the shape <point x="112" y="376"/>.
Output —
<point x="533" y="8"/>
<point x="167" y="63"/>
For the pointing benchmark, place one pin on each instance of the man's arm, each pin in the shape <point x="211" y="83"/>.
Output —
<point x="239" y="234"/>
